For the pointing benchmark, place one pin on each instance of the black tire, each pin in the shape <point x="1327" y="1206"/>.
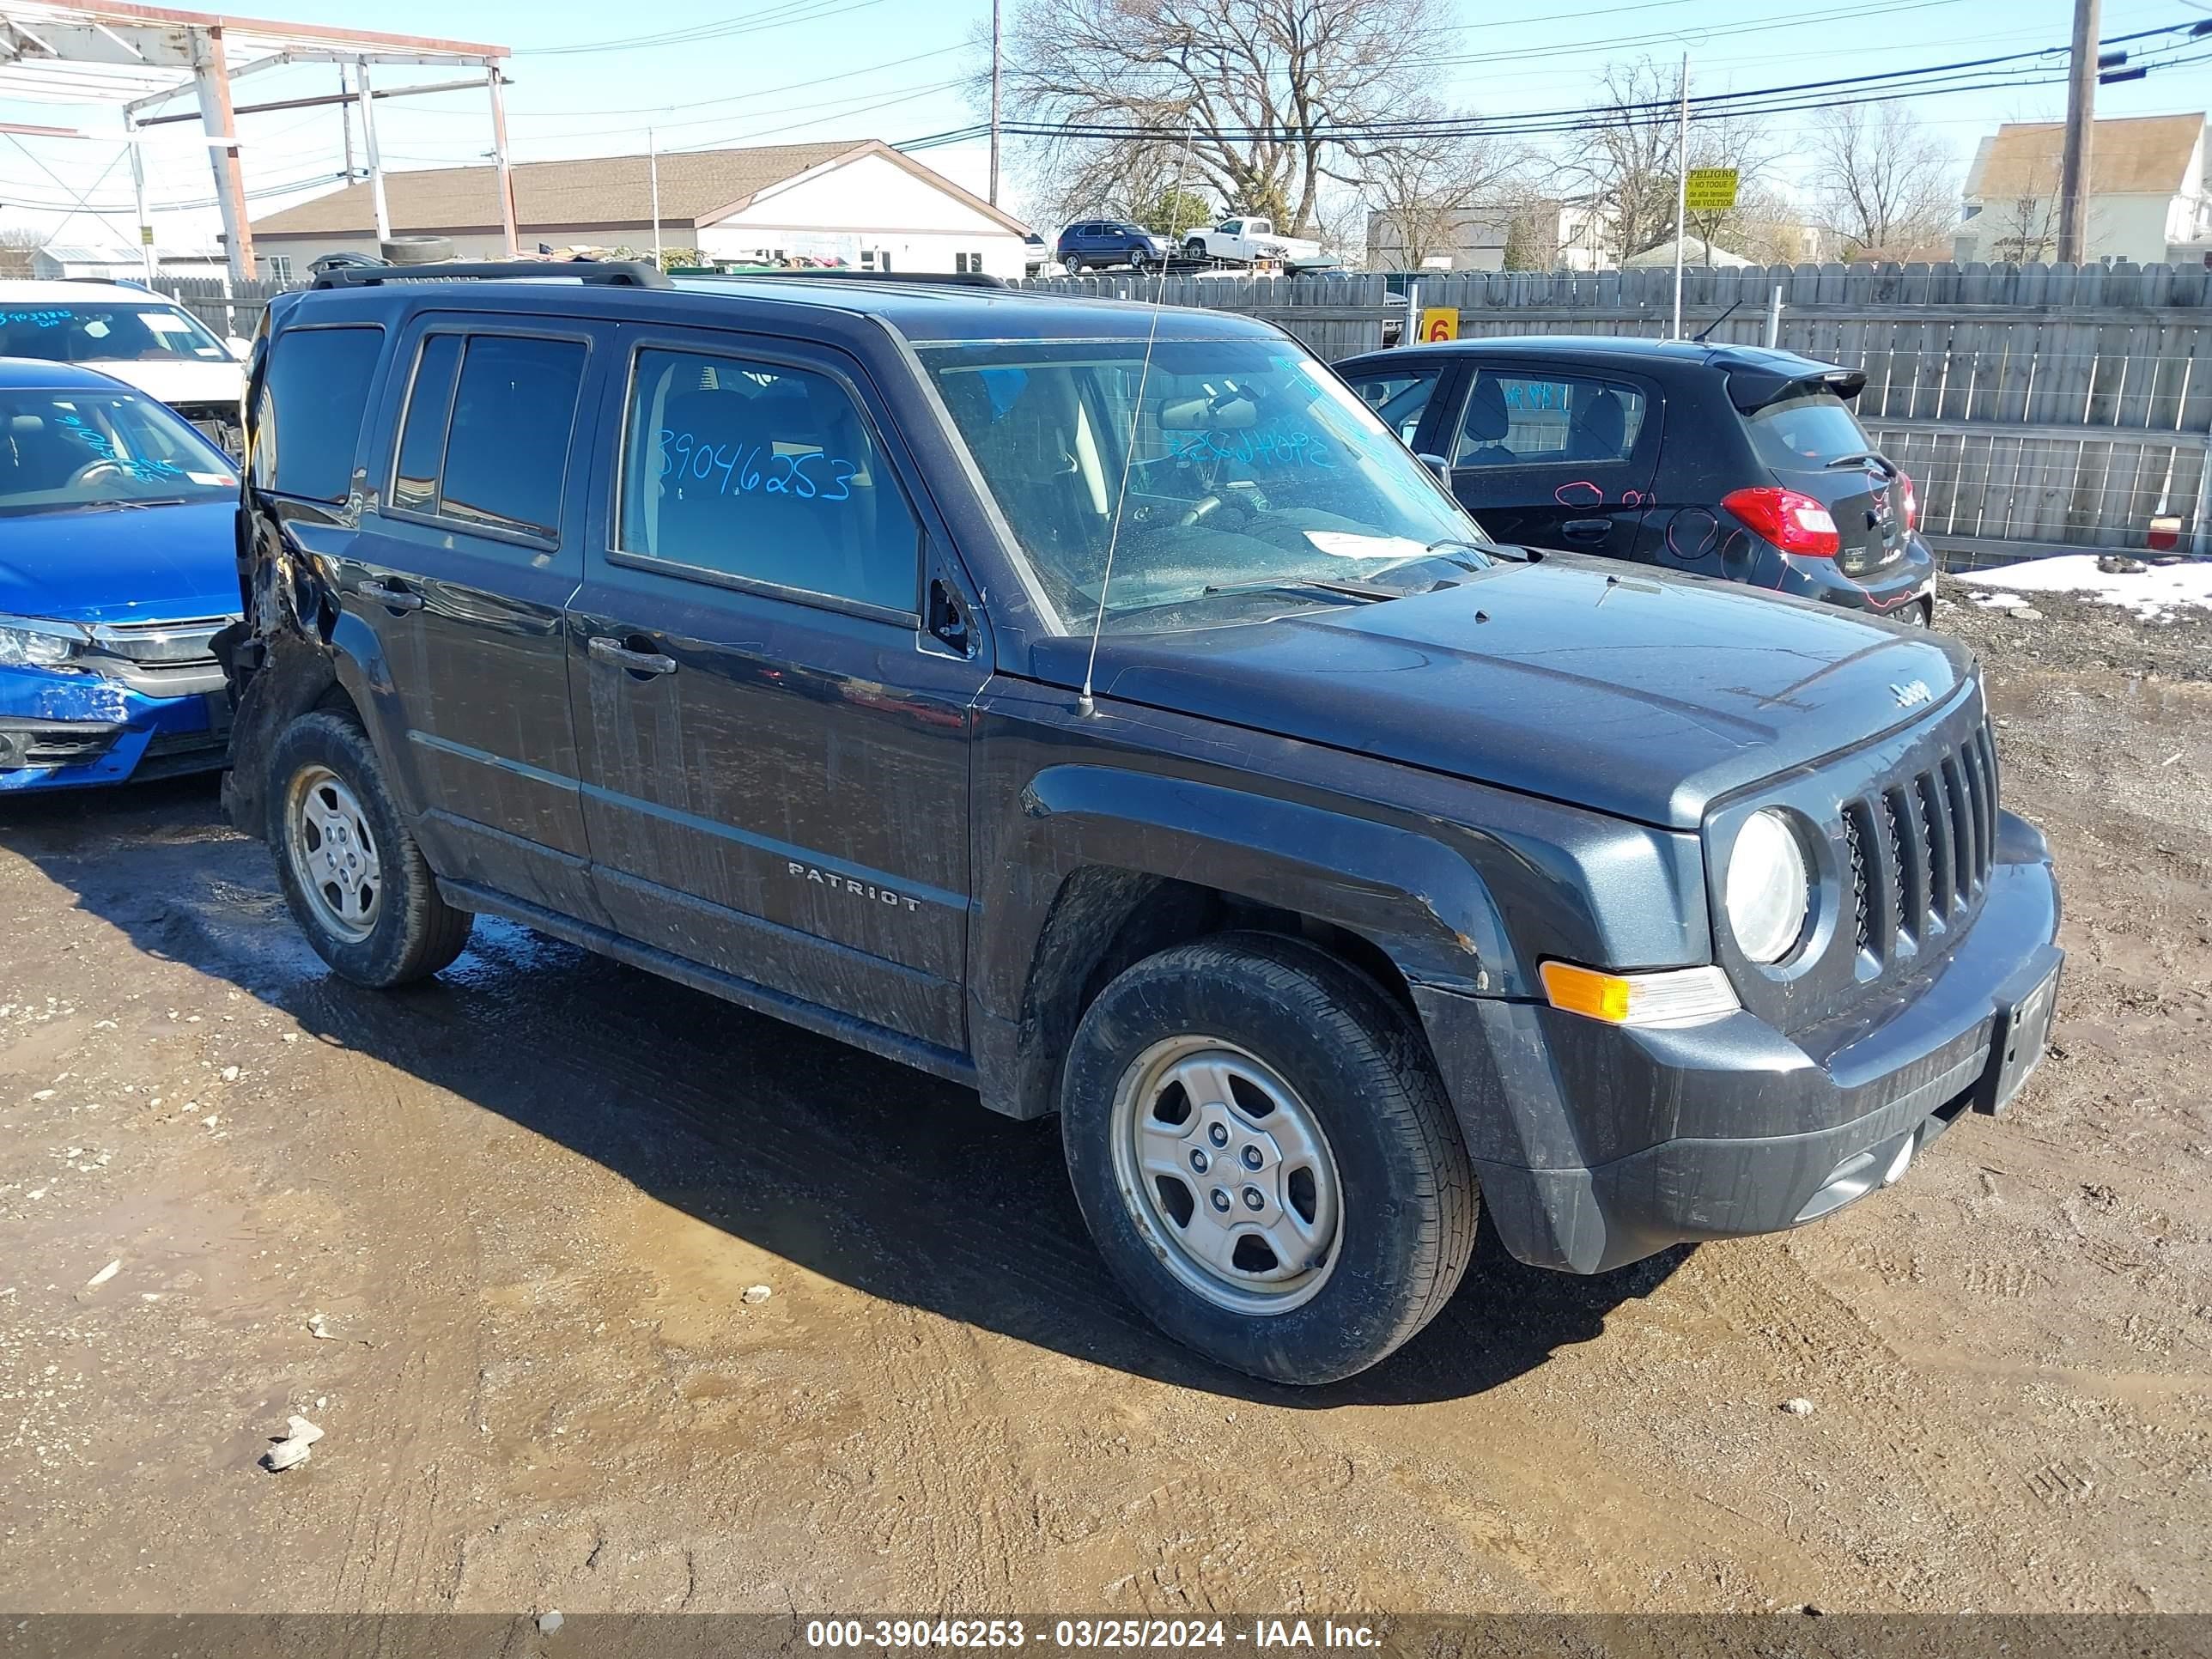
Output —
<point x="1194" y="247"/>
<point x="412" y="932"/>
<point x="1359" y="1068"/>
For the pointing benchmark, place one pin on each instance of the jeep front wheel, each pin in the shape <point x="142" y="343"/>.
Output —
<point x="355" y="879"/>
<point x="1266" y="1158"/>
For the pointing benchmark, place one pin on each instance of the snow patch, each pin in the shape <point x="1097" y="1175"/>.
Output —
<point x="2150" y="594"/>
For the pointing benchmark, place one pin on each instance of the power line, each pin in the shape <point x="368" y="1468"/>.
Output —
<point x="2035" y="67"/>
<point x="776" y="17"/>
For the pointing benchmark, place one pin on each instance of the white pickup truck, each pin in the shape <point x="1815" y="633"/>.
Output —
<point x="1252" y="241"/>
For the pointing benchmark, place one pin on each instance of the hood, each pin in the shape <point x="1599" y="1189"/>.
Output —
<point x="174" y="563"/>
<point x="181" y="382"/>
<point x="1643" y="698"/>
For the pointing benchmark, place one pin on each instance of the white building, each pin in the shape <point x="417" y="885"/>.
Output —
<point x="861" y="204"/>
<point x="2147" y="195"/>
<point x="63" y="262"/>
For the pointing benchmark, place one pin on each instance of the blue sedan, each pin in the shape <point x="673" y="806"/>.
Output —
<point x="116" y="571"/>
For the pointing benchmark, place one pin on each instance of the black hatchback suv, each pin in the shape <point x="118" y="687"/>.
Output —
<point x="1104" y="710"/>
<point x="1726" y="460"/>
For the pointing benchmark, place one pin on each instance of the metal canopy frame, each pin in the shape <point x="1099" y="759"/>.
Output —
<point x="140" y="58"/>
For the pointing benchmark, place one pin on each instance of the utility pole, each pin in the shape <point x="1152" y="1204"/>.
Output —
<point x="345" y="118"/>
<point x="1682" y="190"/>
<point x="653" y="163"/>
<point x="2080" y="129"/>
<point x="995" y="102"/>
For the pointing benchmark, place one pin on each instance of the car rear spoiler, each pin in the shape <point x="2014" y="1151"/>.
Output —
<point x="1751" y="389"/>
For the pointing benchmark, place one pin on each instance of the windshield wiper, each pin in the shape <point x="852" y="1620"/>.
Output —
<point x="1303" y="584"/>
<point x="1853" y="460"/>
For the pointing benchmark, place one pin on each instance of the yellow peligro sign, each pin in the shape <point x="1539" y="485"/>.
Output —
<point x="1440" y="323"/>
<point x="1709" y="190"/>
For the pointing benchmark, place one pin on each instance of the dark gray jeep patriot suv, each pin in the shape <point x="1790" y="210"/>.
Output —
<point x="1099" y="706"/>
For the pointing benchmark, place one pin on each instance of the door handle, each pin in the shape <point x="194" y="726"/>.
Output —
<point x="390" y="598"/>
<point x="1588" y="530"/>
<point x="637" y="662"/>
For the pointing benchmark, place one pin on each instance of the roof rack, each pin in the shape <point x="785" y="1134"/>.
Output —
<point x="592" y="273"/>
<point x="850" y="273"/>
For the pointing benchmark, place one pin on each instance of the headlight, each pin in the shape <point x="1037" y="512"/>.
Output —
<point x="1769" y="888"/>
<point x="26" y="642"/>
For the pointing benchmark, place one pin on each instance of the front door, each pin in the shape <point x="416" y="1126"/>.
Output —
<point x="774" y="745"/>
<point x="464" y="569"/>
<point x="1557" y="458"/>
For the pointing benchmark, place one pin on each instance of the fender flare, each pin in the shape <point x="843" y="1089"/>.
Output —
<point x="1415" y="900"/>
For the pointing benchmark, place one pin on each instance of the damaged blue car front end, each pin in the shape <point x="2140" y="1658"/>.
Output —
<point x="117" y="530"/>
<point x="137" y="700"/>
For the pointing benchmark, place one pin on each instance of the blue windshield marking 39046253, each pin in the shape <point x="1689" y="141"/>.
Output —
<point x="742" y="468"/>
<point x="1271" y="446"/>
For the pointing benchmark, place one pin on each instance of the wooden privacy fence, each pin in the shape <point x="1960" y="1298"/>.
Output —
<point x="1336" y="317"/>
<point x="2035" y="406"/>
<point x="229" y="308"/>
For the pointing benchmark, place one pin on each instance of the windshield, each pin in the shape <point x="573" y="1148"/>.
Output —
<point x="63" y="449"/>
<point x="1809" y="427"/>
<point x="1254" y="466"/>
<point x="153" y="331"/>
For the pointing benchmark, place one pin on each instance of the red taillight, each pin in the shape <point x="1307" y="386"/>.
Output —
<point x="1912" y="501"/>
<point x="1793" y="522"/>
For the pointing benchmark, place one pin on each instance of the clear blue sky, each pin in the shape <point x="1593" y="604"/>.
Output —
<point x="890" y="69"/>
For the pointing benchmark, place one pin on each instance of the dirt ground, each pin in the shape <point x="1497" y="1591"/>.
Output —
<point x="527" y="1201"/>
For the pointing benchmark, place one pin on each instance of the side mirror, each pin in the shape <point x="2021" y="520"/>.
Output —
<point x="239" y="349"/>
<point x="1437" y="464"/>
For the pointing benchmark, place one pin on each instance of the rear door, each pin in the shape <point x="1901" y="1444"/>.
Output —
<point x="775" y="745"/>
<point x="1551" y="456"/>
<point x="1813" y="443"/>
<point x="463" y="570"/>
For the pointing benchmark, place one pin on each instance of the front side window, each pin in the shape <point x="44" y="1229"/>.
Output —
<point x="759" y="472"/>
<point x="152" y="331"/>
<point x="1252" y="466"/>
<point x="486" y="435"/>
<point x="75" y="449"/>
<point x="314" y="394"/>
<point x="1523" y="420"/>
<point x="1400" y="400"/>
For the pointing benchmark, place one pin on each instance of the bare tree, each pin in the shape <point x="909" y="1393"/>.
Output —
<point x="1423" y="191"/>
<point x="1257" y="85"/>
<point x="17" y="244"/>
<point x="1624" y="164"/>
<point x="1887" y="186"/>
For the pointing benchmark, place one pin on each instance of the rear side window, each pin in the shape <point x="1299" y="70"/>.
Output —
<point x="1516" y="420"/>
<point x="1808" y="427"/>
<point x="759" y="472"/>
<point x="314" y="393"/>
<point x="486" y="435"/>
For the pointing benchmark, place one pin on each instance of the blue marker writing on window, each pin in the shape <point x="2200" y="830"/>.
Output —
<point x="1271" y="446"/>
<point x="743" y="469"/>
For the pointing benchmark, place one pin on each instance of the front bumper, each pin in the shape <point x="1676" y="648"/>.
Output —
<point x="1596" y="1145"/>
<point x="69" y="730"/>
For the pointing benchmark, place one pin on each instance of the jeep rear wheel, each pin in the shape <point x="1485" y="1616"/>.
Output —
<point x="356" y="881"/>
<point x="1265" y="1155"/>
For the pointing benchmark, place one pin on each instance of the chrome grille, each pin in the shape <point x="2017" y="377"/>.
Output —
<point x="160" y="644"/>
<point x="1920" y="848"/>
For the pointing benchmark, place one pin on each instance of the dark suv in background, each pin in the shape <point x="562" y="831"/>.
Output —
<point x="1102" y="709"/>
<point x="1095" y="244"/>
<point x="1725" y="460"/>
